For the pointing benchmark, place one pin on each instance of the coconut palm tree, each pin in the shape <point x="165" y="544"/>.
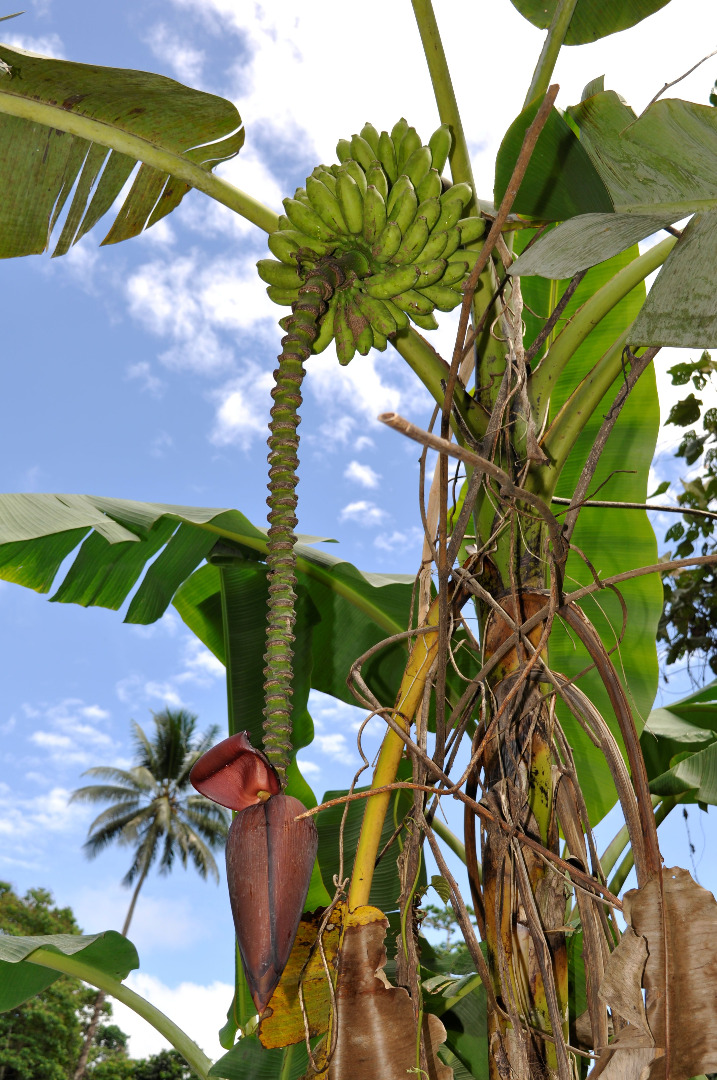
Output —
<point x="154" y="810"/>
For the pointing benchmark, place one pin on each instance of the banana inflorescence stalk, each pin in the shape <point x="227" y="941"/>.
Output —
<point x="302" y="328"/>
<point x="366" y="247"/>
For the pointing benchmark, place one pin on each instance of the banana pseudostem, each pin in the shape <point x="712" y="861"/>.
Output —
<point x="283" y="442"/>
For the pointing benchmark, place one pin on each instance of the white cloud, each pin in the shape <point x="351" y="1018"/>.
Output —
<point x="362" y="474"/>
<point x="242" y="412"/>
<point x="336" y="747"/>
<point x="162" y="442"/>
<point x="185" y="61"/>
<point x="73" y="733"/>
<point x="201" y="665"/>
<point x="148" y="381"/>
<point x="42" y="44"/>
<point x="197" y="667"/>
<point x="308" y="768"/>
<point x="22" y="817"/>
<point x="363" y="512"/>
<point x="404" y="540"/>
<point x="198" y="1010"/>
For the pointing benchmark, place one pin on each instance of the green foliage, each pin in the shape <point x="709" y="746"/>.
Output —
<point x="592" y="19"/>
<point x="688" y="626"/>
<point x="451" y="954"/>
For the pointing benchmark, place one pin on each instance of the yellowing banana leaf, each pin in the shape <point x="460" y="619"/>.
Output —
<point x="592" y="19"/>
<point x="585" y="241"/>
<point x="66" y="125"/>
<point x="613" y="540"/>
<point x="110" y="953"/>
<point x="679" y="745"/>
<point x="560" y="181"/>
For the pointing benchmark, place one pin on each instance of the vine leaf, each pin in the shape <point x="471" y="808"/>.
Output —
<point x="673" y="931"/>
<point x="47" y="104"/>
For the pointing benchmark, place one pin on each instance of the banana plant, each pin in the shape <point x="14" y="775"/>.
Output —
<point x="549" y="393"/>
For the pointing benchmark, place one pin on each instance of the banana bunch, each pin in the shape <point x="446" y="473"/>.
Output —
<point x="383" y="213"/>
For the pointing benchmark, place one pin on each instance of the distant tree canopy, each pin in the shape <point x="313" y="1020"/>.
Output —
<point x="43" y="1038"/>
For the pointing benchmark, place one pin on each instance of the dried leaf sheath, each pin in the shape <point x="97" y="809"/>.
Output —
<point x="283" y="442"/>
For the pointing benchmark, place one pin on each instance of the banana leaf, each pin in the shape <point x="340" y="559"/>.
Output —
<point x="592" y="19"/>
<point x="613" y="540"/>
<point x="109" y="952"/>
<point x="345" y="610"/>
<point x="679" y="744"/>
<point x="67" y="125"/>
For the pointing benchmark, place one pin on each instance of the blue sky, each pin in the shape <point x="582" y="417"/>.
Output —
<point x="142" y="371"/>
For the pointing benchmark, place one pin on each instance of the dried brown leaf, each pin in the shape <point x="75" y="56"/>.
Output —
<point x="376" y="1034"/>
<point x="621" y="986"/>
<point x="677" y="919"/>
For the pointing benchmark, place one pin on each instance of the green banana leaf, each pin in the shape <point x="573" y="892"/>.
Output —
<point x="386" y="886"/>
<point x="248" y="1060"/>
<point x="119" y="537"/>
<point x="592" y="19"/>
<point x="680" y="308"/>
<point x="659" y="162"/>
<point x="560" y="181"/>
<point x="465" y="1021"/>
<point x="68" y="124"/>
<point x="613" y="540"/>
<point x="109" y="952"/>
<point x="585" y="241"/>
<point x="679" y="745"/>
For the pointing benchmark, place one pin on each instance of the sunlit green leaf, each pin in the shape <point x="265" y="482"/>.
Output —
<point x="560" y="181"/>
<point x="109" y="952"/>
<point x="679" y="745"/>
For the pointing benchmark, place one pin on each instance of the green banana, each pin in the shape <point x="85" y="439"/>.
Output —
<point x="279" y="274"/>
<point x="361" y="151"/>
<point x="391" y="281"/>
<point x="387" y="243"/>
<point x="430" y="209"/>
<point x="379" y="340"/>
<point x="426" y="322"/>
<point x="354" y="169"/>
<point x="444" y="299"/>
<point x="430" y="272"/>
<point x="440" y="144"/>
<point x="326" y="205"/>
<point x="451" y="211"/>
<point x="453" y="241"/>
<point x="364" y="341"/>
<point x="418" y="165"/>
<point x="283" y="297"/>
<point x="415" y="303"/>
<point x="455" y="271"/>
<point x="284" y="222"/>
<point x="413" y="242"/>
<point x="387" y="156"/>
<point x="345" y="346"/>
<point x="374" y="215"/>
<point x="369" y="133"/>
<point x="290" y="238"/>
<point x="434" y="248"/>
<point x="284" y="247"/>
<point x="378" y="178"/>
<point x="307" y="221"/>
<point x="402" y="203"/>
<point x="472" y="228"/>
<point x="326" y="177"/>
<point x="398" y="130"/>
<point x="326" y="328"/>
<point x="410" y="142"/>
<point x="398" y="314"/>
<point x="430" y="187"/>
<point x="343" y="149"/>
<point x="350" y="201"/>
<point x="377" y="313"/>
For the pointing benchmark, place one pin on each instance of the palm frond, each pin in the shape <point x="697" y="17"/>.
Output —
<point x="103" y="793"/>
<point x="108" y="772"/>
<point x="119" y="811"/>
<point x="144" y="750"/>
